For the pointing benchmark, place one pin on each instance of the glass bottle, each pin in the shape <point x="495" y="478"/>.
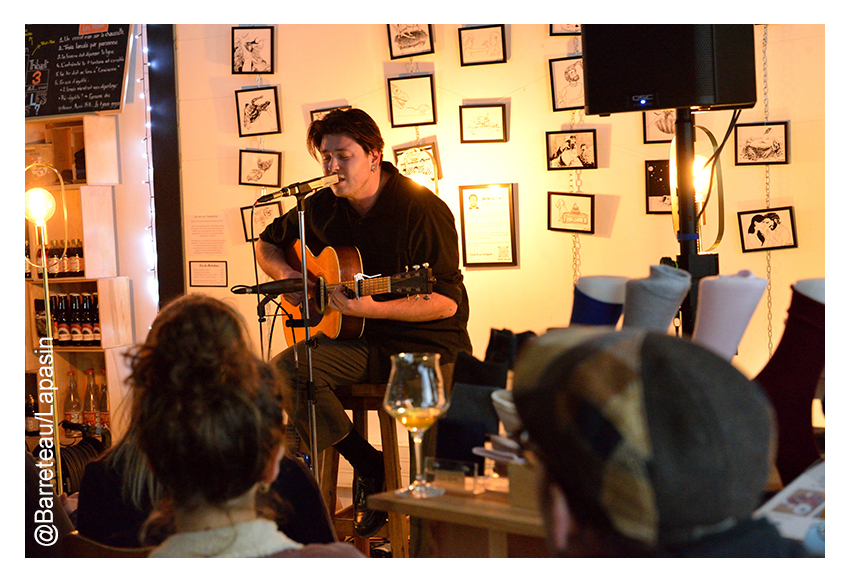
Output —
<point x="85" y="320"/>
<point x="91" y="401"/>
<point x="63" y="327"/>
<point x="73" y="407"/>
<point x="74" y="322"/>
<point x="30" y="422"/>
<point x="95" y="320"/>
<point x="104" y="402"/>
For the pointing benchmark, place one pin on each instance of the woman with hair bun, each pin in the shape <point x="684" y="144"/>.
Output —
<point x="209" y="420"/>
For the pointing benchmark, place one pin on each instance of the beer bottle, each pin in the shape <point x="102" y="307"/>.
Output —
<point x="63" y="327"/>
<point x="91" y="401"/>
<point x="95" y="320"/>
<point x="85" y="320"/>
<point x="53" y="255"/>
<point x="75" y="258"/>
<point x="73" y="408"/>
<point x="74" y="320"/>
<point x="104" y="402"/>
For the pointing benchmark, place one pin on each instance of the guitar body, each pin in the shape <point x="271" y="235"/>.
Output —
<point x="332" y="266"/>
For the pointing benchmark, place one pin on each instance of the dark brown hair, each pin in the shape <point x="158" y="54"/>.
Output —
<point x="207" y="409"/>
<point x="355" y="123"/>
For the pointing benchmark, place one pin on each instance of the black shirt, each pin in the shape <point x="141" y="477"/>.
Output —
<point x="407" y="226"/>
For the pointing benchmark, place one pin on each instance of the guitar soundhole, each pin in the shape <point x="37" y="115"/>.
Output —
<point x="321" y="295"/>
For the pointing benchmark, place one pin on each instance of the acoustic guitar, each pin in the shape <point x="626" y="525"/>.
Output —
<point x="343" y="266"/>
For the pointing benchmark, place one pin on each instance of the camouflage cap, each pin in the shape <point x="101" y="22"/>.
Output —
<point x="669" y="440"/>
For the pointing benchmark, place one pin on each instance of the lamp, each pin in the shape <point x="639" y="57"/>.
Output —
<point x="39" y="207"/>
<point x="706" y="179"/>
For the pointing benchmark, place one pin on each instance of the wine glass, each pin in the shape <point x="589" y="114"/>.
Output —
<point x="415" y="396"/>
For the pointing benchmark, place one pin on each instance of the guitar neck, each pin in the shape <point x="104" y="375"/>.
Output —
<point x="368" y="286"/>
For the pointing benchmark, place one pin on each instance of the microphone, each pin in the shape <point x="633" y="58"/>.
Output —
<point x="271" y="288"/>
<point x="300" y="188"/>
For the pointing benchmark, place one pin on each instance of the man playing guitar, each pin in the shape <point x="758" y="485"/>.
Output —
<point x="394" y="224"/>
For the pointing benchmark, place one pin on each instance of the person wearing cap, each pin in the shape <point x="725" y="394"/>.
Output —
<point x="646" y="445"/>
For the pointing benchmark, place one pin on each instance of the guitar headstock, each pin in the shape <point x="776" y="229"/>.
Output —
<point x="415" y="281"/>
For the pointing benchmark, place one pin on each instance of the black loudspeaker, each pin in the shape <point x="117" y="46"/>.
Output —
<point x="667" y="66"/>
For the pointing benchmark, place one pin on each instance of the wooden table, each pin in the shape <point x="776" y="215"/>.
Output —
<point x="472" y="526"/>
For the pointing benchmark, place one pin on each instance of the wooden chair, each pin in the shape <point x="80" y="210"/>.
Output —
<point x="77" y="546"/>
<point x="361" y="398"/>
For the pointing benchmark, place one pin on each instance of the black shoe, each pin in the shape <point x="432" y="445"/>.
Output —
<point x="367" y="521"/>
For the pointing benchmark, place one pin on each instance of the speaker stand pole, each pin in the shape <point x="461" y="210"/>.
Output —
<point x="689" y="259"/>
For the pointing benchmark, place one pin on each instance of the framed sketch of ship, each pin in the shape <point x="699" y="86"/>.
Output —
<point x="571" y="212"/>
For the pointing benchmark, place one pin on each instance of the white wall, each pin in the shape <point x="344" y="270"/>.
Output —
<point x="324" y="65"/>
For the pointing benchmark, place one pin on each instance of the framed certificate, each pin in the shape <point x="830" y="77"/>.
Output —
<point x="487" y="225"/>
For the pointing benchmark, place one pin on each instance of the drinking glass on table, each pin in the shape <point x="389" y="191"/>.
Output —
<point x="415" y="396"/>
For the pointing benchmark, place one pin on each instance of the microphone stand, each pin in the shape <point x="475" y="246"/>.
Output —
<point x="308" y="340"/>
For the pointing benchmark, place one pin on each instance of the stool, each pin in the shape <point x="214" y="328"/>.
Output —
<point x="361" y="398"/>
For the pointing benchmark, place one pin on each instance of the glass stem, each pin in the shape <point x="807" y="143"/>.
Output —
<point x="420" y="462"/>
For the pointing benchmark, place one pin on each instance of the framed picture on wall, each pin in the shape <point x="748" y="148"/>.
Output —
<point x="761" y="143"/>
<point x="659" y="126"/>
<point x="767" y="229"/>
<point x="256" y="218"/>
<point x="571" y="150"/>
<point x="487" y="228"/>
<point x="317" y="114"/>
<point x="260" y="168"/>
<point x="571" y="212"/>
<point x="252" y="50"/>
<point x="483" y="123"/>
<point x="409" y="40"/>
<point x="482" y="45"/>
<point x="565" y="30"/>
<point x="257" y="111"/>
<point x="658" y="200"/>
<point x="566" y="76"/>
<point x="422" y="158"/>
<point x="411" y="100"/>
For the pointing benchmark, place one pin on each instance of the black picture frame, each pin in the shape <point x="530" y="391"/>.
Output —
<point x="758" y="144"/>
<point x="483" y="123"/>
<point x="488" y="225"/>
<point x="565" y="30"/>
<point x="566" y="79"/>
<point x="658" y="198"/>
<point x="257" y="217"/>
<point x="410" y="40"/>
<point x="252" y="50"/>
<point x="260" y="168"/>
<point x="571" y="150"/>
<point x="411" y="100"/>
<point x="482" y="45"/>
<point x="257" y="111"/>
<point x="659" y="126"/>
<point x="571" y="212"/>
<point x="767" y="229"/>
<point x="317" y="114"/>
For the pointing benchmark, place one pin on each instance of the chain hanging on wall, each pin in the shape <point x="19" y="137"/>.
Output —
<point x="767" y="196"/>
<point x="575" y="186"/>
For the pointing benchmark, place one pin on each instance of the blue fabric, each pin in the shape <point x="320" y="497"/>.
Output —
<point x="590" y="311"/>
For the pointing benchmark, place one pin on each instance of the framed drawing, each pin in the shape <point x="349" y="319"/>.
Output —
<point x="252" y="50"/>
<point x="257" y="112"/>
<point x="256" y="218"/>
<point x="420" y="162"/>
<point x="409" y="40"/>
<point x="761" y="143"/>
<point x="483" y="123"/>
<point x="767" y="229"/>
<point x="565" y="30"/>
<point x="260" y="168"/>
<point x="482" y="45"/>
<point x="411" y="100"/>
<point x="659" y="126"/>
<point x="487" y="226"/>
<point x="571" y="150"/>
<point x="658" y="200"/>
<point x="566" y="76"/>
<point x="317" y="114"/>
<point x="571" y="212"/>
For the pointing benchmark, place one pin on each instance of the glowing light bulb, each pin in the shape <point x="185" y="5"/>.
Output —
<point x="39" y="205"/>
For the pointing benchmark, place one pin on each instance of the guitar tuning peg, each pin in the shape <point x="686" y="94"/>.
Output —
<point x="415" y="267"/>
<point x="425" y="265"/>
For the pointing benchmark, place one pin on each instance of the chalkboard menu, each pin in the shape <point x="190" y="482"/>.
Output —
<point x="72" y="69"/>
